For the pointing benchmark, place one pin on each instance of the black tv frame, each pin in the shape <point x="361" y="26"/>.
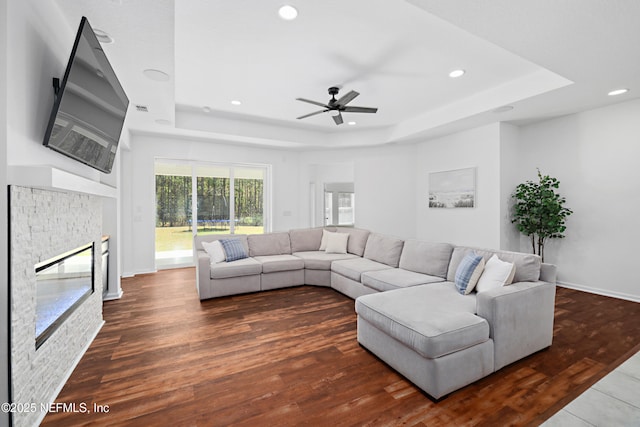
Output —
<point x="59" y="89"/>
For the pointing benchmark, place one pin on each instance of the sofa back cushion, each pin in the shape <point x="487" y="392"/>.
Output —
<point x="426" y="257"/>
<point x="306" y="239"/>
<point x="357" y="239"/>
<point x="527" y="265"/>
<point x="384" y="249"/>
<point x="199" y="238"/>
<point x="269" y="244"/>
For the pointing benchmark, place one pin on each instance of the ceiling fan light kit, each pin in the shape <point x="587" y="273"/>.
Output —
<point x="335" y="107"/>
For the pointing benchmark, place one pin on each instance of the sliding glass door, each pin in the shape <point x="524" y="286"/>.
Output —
<point x="206" y="198"/>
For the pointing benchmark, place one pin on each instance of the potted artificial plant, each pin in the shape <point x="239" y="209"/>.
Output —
<point x="539" y="211"/>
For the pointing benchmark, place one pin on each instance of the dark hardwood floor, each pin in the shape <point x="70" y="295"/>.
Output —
<point x="290" y="357"/>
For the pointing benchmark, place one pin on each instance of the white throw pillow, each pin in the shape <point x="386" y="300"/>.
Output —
<point x="337" y="243"/>
<point x="215" y="251"/>
<point x="323" y="241"/>
<point x="496" y="273"/>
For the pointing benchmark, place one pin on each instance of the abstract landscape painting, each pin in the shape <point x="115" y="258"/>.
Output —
<point x="453" y="189"/>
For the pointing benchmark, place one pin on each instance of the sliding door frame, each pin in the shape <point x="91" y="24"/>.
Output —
<point x="232" y="166"/>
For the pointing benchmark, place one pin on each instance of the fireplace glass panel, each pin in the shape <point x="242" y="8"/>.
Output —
<point x="62" y="283"/>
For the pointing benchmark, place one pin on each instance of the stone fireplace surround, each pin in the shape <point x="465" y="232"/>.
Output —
<point x="43" y="224"/>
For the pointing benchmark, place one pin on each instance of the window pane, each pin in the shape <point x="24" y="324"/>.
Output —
<point x="173" y="215"/>
<point x="345" y="208"/>
<point x="213" y="186"/>
<point x="249" y="200"/>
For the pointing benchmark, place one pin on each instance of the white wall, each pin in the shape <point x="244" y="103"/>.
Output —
<point x="385" y="187"/>
<point x="383" y="180"/>
<point x="4" y="255"/>
<point x="478" y="226"/>
<point x="595" y="156"/>
<point x="138" y="189"/>
<point x="510" y="177"/>
<point x="40" y="42"/>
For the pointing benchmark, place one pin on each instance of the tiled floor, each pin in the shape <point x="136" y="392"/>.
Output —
<point x="612" y="401"/>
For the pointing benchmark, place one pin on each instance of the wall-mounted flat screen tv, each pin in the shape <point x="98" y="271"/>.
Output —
<point x="90" y="105"/>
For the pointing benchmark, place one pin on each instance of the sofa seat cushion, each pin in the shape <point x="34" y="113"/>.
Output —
<point x="273" y="263"/>
<point x="395" y="278"/>
<point x="353" y="268"/>
<point x="434" y="320"/>
<point x="320" y="260"/>
<point x="241" y="267"/>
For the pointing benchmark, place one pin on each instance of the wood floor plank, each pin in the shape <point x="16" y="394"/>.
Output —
<point x="290" y="357"/>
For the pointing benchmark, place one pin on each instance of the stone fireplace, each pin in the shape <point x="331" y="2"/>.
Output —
<point x="44" y="225"/>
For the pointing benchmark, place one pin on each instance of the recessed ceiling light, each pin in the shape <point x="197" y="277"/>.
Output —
<point x="503" y="109"/>
<point x="456" y="73"/>
<point x="618" y="92"/>
<point x="288" y="12"/>
<point x="236" y="102"/>
<point x="157" y="75"/>
<point x="102" y="36"/>
<point x="206" y="109"/>
<point x="351" y="123"/>
<point x="163" y="122"/>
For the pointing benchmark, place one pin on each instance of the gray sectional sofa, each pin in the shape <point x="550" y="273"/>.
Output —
<point x="409" y="312"/>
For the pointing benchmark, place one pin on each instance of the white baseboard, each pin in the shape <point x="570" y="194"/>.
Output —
<point x="598" y="291"/>
<point x="110" y="297"/>
<point x="132" y="274"/>
<point x="67" y="375"/>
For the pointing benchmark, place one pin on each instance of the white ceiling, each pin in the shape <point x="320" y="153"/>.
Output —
<point x="544" y="57"/>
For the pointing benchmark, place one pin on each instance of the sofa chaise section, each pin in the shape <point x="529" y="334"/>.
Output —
<point x="402" y="327"/>
<point x="429" y="333"/>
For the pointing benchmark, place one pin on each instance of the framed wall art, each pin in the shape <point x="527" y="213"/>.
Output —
<point x="453" y="189"/>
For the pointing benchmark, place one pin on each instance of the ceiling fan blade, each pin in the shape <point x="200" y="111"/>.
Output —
<point x="359" y="110"/>
<point x="338" y="119"/>
<point x="312" y="114"/>
<point x="319" y="104"/>
<point x="347" y="98"/>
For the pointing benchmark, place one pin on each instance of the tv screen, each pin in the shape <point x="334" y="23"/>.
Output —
<point x="90" y="106"/>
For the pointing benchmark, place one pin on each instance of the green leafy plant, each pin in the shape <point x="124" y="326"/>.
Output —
<point x="539" y="211"/>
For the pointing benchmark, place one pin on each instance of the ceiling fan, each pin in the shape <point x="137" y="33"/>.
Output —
<point x="336" y="107"/>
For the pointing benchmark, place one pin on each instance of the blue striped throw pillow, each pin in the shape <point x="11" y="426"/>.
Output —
<point x="233" y="249"/>
<point x="469" y="272"/>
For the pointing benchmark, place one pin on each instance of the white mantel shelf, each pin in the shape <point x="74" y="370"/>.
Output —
<point x="51" y="178"/>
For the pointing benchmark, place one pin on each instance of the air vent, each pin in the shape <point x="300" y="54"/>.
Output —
<point x="142" y="108"/>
